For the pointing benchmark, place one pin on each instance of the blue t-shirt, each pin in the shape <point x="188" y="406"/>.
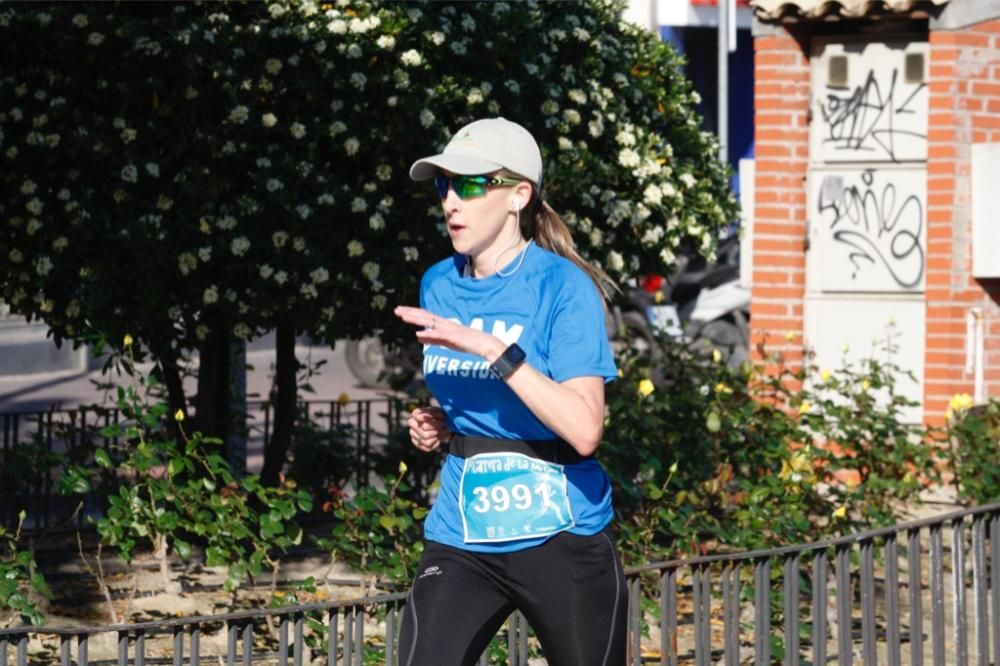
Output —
<point x="553" y="311"/>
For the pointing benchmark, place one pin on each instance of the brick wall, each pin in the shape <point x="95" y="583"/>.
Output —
<point x="781" y="132"/>
<point x="964" y="109"/>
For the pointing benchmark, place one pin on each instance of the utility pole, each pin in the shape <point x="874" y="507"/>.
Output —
<point x="726" y="44"/>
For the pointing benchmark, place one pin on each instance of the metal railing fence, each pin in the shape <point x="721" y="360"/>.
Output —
<point x="886" y="589"/>
<point x="32" y="443"/>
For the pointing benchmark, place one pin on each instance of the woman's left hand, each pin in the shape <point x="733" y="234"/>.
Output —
<point x="446" y="333"/>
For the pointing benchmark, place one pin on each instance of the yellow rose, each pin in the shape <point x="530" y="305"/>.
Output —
<point x="717" y="356"/>
<point x="343" y="398"/>
<point x="840" y="512"/>
<point x="402" y="468"/>
<point x="824" y="374"/>
<point x="128" y="340"/>
<point x="646" y="387"/>
<point x="804" y="407"/>
<point x="722" y="389"/>
<point x="789" y="336"/>
<point x="179" y="415"/>
<point x="960" y="402"/>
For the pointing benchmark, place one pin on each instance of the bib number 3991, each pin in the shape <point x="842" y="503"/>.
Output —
<point x="510" y="496"/>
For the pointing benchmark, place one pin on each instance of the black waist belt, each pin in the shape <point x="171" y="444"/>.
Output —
<point x="552" y="450"/>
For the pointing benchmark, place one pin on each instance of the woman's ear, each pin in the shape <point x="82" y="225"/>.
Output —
<point x="521" y="195"/>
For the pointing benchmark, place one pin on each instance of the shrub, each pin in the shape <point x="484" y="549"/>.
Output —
<point x="973" y="449"/>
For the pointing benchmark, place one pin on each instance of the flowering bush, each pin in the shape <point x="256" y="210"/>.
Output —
<point x="973" y="448"/>
<point x="171" y="171"/>
<point x="717" y="458"/>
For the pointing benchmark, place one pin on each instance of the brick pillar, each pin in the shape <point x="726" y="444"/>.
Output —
<point x="964" y="108"/>
<point x="781" y="107"/>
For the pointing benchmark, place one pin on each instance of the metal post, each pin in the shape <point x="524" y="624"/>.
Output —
<point x="725" y="16"/>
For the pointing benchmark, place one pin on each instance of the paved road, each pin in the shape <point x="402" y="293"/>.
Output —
<point x="66" y="390"/>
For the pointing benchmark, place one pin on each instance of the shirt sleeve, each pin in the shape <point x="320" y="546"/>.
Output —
<point x="578" y="339"/>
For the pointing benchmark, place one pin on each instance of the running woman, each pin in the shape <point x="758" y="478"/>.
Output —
<point x="517" y="355"/>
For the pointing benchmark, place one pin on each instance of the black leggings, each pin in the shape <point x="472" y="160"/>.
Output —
<point x="571" y="589"/>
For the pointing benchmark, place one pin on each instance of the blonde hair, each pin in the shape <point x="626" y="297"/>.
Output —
<point x="539" y="222"/>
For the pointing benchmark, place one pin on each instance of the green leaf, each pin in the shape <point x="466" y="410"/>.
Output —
<point x="713" y="422"/>
<point x="183" y="549"/>
<point x="175" y="466"/>
<point x="102" y="458"/>
<point x="388" y="522"/>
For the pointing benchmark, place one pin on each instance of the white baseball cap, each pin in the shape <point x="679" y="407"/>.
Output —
<point x="484" y="146"/>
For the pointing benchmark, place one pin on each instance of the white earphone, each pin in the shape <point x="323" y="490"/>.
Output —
<point x="515" y="203"/>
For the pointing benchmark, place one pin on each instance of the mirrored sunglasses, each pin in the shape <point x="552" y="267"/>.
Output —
<point x="469" y="186"/>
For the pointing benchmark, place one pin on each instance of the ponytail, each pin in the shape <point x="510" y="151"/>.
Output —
<point x="539" y="222"/>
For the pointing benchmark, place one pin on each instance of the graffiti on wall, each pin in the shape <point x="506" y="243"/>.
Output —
<point x="875" y="120"/>
<point x="869" y="228"/>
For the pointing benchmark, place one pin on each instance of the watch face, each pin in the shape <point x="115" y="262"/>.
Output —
<point x="514" y="354"/>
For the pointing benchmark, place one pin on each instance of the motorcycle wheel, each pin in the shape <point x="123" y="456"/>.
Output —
<point x="366" y="360"/>
<point x="725" y="336"/>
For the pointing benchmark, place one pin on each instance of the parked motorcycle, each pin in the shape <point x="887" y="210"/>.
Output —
<point x="702" y="303"/>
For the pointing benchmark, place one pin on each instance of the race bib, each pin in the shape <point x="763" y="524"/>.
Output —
<point x="510" y="496"/>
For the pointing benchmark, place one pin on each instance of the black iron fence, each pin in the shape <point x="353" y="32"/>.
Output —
<point x="35" y="446"/>
<point x="924" y="592"/>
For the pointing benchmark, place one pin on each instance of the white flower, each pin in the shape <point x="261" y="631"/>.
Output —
<point x="667" y="255"/>
<point x="279" y="238"/>
<point x="337" y="26"/>
<point x="80" y="21"/>
<point x="564" y="143"/>
<point x="28" y="187"/>
<point x="411" y="58"/>
<point x="572" y="116"/>
<point x="266" y="271"/>
<point x="358" y="80"/>
<point x="379" y="301"/>
<point x="376" y="222"/>
<point x="358" y="205"/>
<point x="387" y="42"/>
<point x="226" y="222"/>
<point x="337" y="128"/>
<point x="241" y="331"/>
<point x="211" y="295"/>
<point x="370" y="270"/>
<point x="269" y="120"/>
<point x="153" y="169"/>
<point x="410" y="253"/>
<point x="354" y="51"/>
<point x="60" y="244"/>
<point x="273" y="185"/>
<point x="35" y="206"/>
<point x="426" y="118"/>
<point x="239" y="245"/>
<point x="550" y="107"/>
<point x="43" y="265"/>
<point x="15" y="256"/>
<point x="628" y="158"/>
<point x="63" y="195"/>
<point x="468" y="23"/>
<point x="95" y="39"/>
<point x="299" y="243"/>
<point x="239" y="114"/>
<point x="325" y="199"/>
<point x="190" y="93"/>
<point x="272" y="66"/>
<point x="281" y="277"/>
<point x="475" y="96"/>
<point x="201" y="331"/>
<point x="205" y="254"/>
<point x="304" y="211"/>
<point x="625" y="138"/>
<point x="512" y="86"/>
<point x="319" y="276"/>
<point x="355" y="249"/>
<point x="652" y="195"/>
<point x="276" y="10"/>
<point x="297" y="130"/>
<point x="263" y="163"/>
<point x="128" y="135"/>
<point x="437" y="38"/>
<point x="186" y="263"/>
<point x="309" y="291"/>
<point x="383" y="172"/>
<point x="668" y="190"/>
<point x="578" y="96"/>
<point x="130" y="174"/>
<point x="687" y="179"/>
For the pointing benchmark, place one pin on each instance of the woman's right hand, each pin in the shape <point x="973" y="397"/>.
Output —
<point x="428" y="428"/>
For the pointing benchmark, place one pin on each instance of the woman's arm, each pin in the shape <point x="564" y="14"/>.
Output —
<point x="573" y="409"/>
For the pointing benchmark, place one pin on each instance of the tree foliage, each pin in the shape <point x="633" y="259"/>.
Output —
<point x="188" y="172"/>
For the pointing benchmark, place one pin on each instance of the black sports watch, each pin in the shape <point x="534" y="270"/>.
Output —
<point x="507" y="362"/>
